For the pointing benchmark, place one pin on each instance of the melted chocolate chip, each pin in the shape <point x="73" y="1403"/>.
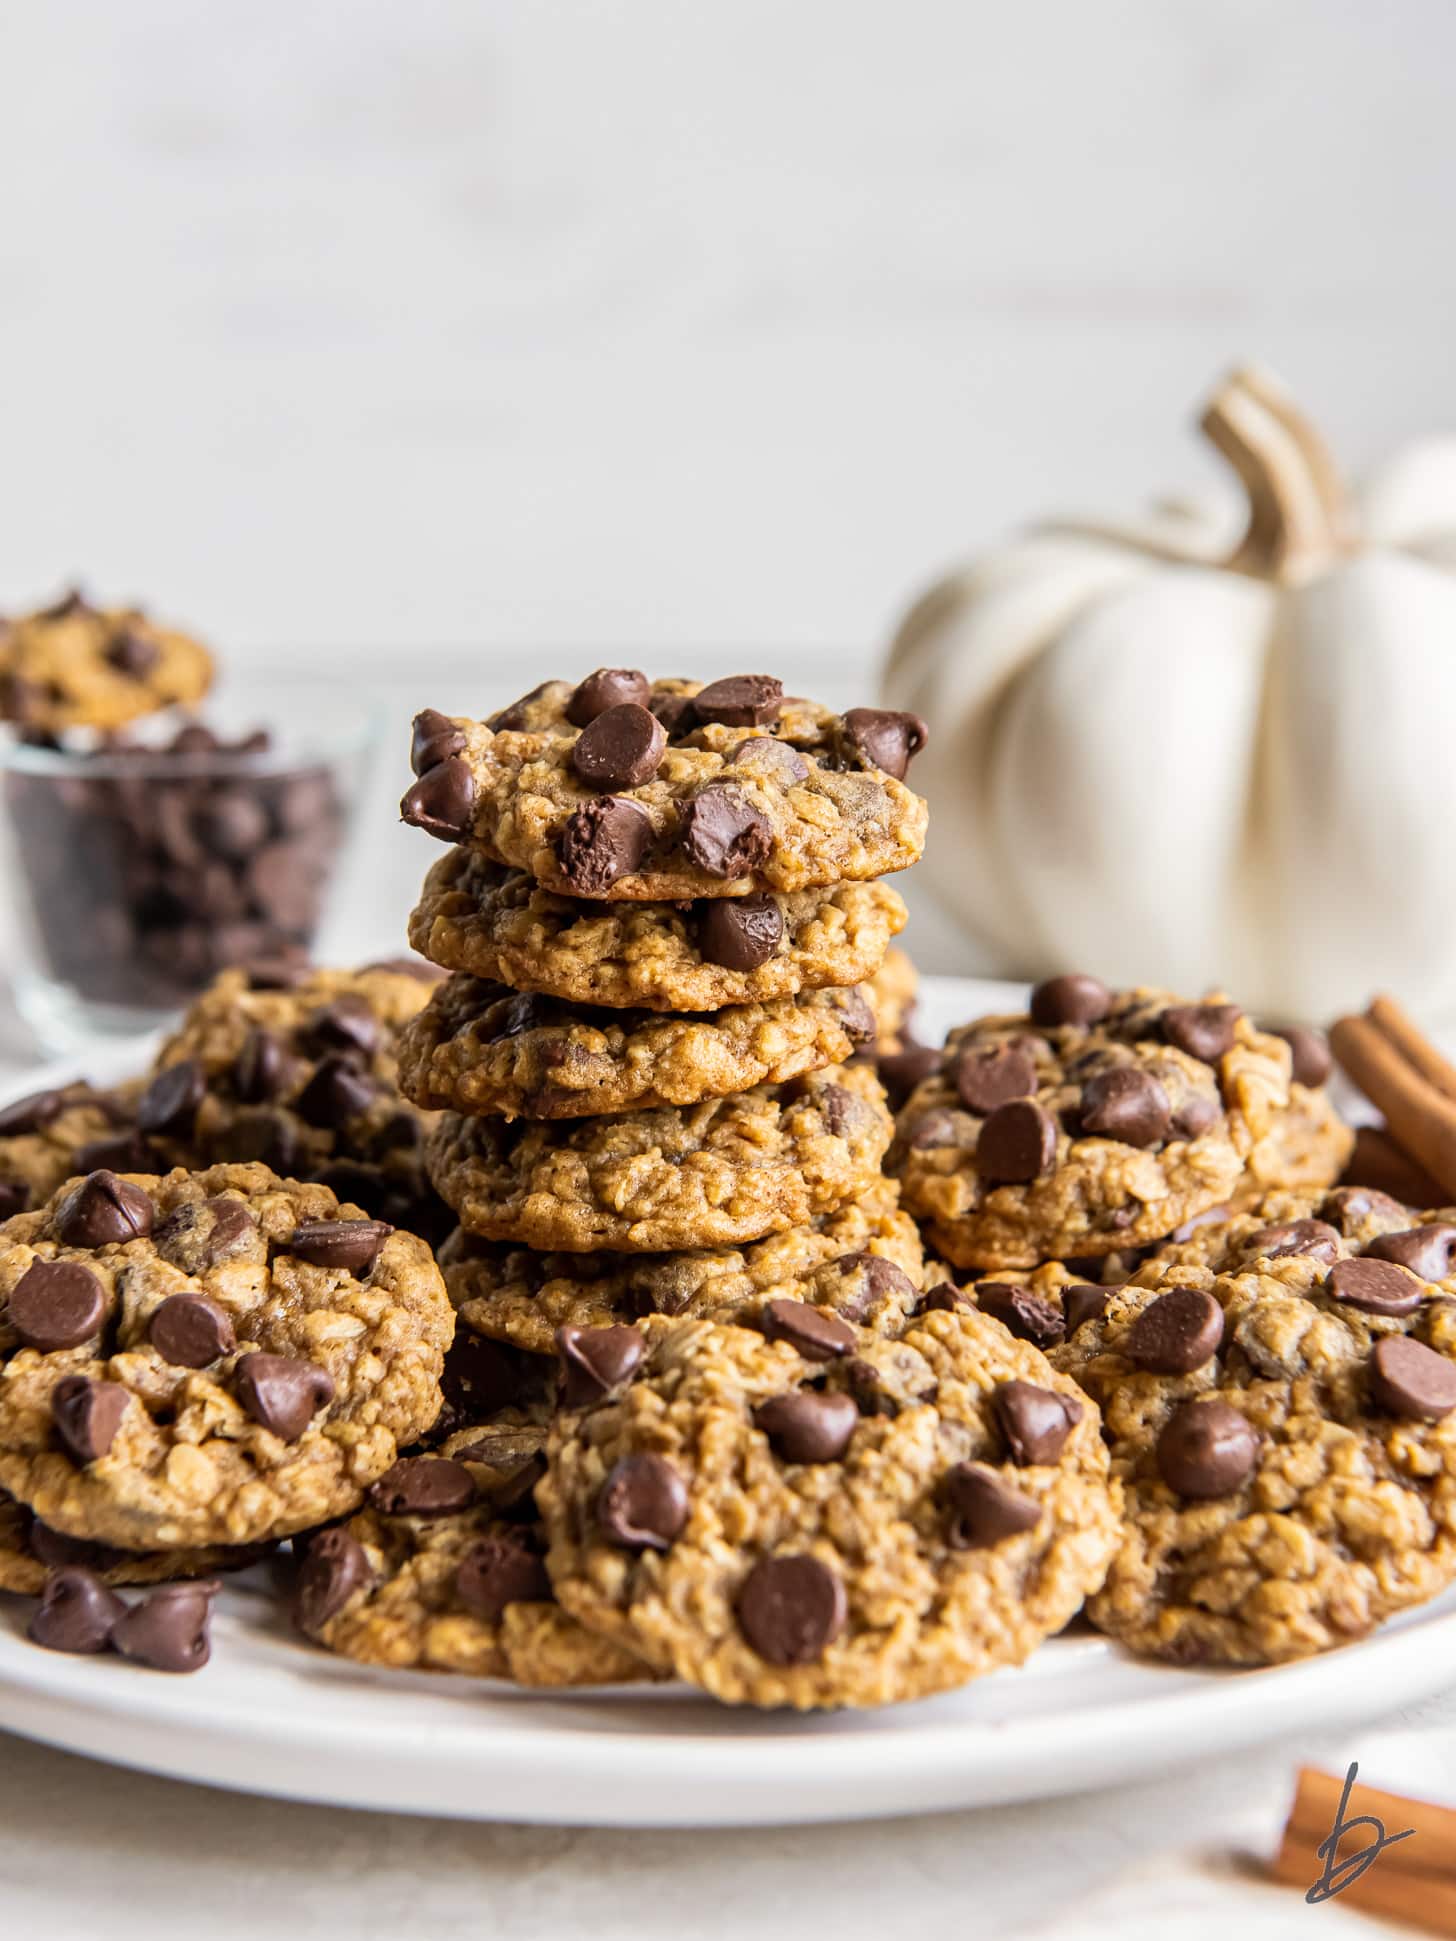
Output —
<point x="283" y="1395"/>
<point x="1374" y="1287"/>
<point x="723" y="834"/>
<point x="887" y="740"/>
<point x="350" y="1246"/>
<point x="1081" y="1303"/>
<point x="1203" y="1031"/>
<point x="442" y="801"/>
<point x="499" y="1570"/>
<point x="603" y="841"/>
<point x="740" y="701"/>
<point x="986" y="1079"/>
<point x="807" y="1427"/>
<point x="1023" y="1313"/>
<point x="608" y="687"/>
<point x="56" y="1304"/>
<point x="818" y="1337"/>
<point x="434" y="738"/>
<point x="1127" y="1105"/>
<point x="594" y="1361"/>
<point x="423" y="1486"/>
<point x="739" y="932"/>
<point x="335" y="1565"/>
<point x="776" y="761"/>
<point x="86" y="1416"/>
<point x="1070" y="999"/>
<point x="1427" y="1251"/>
<point x="1312" y="1238"/>
<point x="1035" y="1421"/>
<point x="104" y="1211"/>
<point x="1179" y="1332"/>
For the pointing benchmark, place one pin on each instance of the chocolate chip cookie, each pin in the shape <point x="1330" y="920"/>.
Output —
<point x="619" y="788"/>
<point x="818" y="1516"/>
<point x="48" y="1136"/>
<point x="78" y="666"/>
<point x="1286" y="1441"/>
<point x="29" y="1551"/>
<point x="475" y="915"/>
<point x="1098" y="1122"/>
<point x="710" y="1175"/>
<point x="303" y="1077"/>
<point x="216" y="1357"/>
<point x="435" y="1574"/>
<point x="863" y="1262"/>
<point x="480" y="1047"/>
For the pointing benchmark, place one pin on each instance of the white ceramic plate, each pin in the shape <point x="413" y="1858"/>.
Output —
<point x="271" y="1714"/>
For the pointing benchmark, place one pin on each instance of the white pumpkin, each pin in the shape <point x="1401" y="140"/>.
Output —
<point x="1166" y="758"/>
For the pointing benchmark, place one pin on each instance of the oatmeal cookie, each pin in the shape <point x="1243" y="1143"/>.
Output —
<point x="477" y="916"/>
<point x="484" y="1048"/>
<point x="863" y="1262"/>
<point x="1286" y="1440"/>
<point x="48" y="1137"/>
<point x="891" y="993"/>
<point x="820" y="1516"/>
<point x="436" y="1574"/>
<point x="78" y="666"/>
<point x="303" y="1077"/>
<point x="709" y="1175"/>
<point x="29" y="1551"/>
<point x="1099" y="1122"/>
<point x="1338" y="1225"/>
<point x="618" y="788"/>
<point x="210" y="1358"/>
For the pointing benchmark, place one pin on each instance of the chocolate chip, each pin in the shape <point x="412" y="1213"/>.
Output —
<point x="434" y="738"/>
<point x="1427" y="1250"/>
<point x="259" y="1072"/>
<point x="350" y="1246"/>
<point x="986" y="1079"/>
<point x="335" y="1565"/>
<point x="947" y="1298"/>
<point x="740" y="701"/>
<point x="337" y="1092"/>
<point x="1347" y="1206"/>
<point x="985" y="1509"/>
<point x="281" y="1394"/>
<point x="818" y="1337"/>
<point x="931" y="1129"/>
<point x="1310" y="1051"/>
<point x="791" y="1609"/>
<point x="498" y="1570"/>
<point x="1082" y="1303"/>
<point x="132" y="653"/>
<point x="609" y="687"/>
<point x="119" y="1152"/>
<point x="30" y="1114"/>
<point x="517" y="715"/>
<point x="423" y="1486"/>
<point x="623" y="748"/>
<point x="901" y="1071"/>
<point x="1193" y="1117"/>
<point x="232" y="1225"/>
<point x="442" y="801"/>
<point x="1203" y="1031"/>
<point x="604" y="840"/>
<point x="14" y="1198"/>
<point x="1312" y="1238"/>
<point x="596" y="1360"/>
<point x="1206" y="1449"/>
<point x="104" y="1211"/>
<point x="87" y="1416"/>
<point x="77" y="1612"/>
<point x="807" y="1426"/>
<point x="58" y="1551"/>
<point x="191" y="1332"/>
<point x="168" y="1631"/>
<point x="675" y="712"/>
<point x="1025" y="1314"/>
<point x="1127" y="1105"/>
<point x="168" y="1107"/>
<point x="283" y="973"/>
<point x="1017" y="1144"/>
<point x="56" y="1304"/>
<point x="739" y="932"/>
<point x="843" y="1111"/>
<point x="348" y="1024"/>
<point x="643" y="1504"/>
<point x="855" y="1015"/>
<point x="1070" y="999"/>
<point x="775" y="760"/>
<point x="1411" y="1380"/>
<point x="722" y="832"/>
<point x="1179" y="1332"/>
<point x="888" y="740"/>
<point x="258" y="1134"/>
<point x="880" y="1280"/>
<point x="1374" y="1287"/>
<point x="1035" y="1421"/>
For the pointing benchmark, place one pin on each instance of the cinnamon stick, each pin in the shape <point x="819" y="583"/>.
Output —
<point x="1393" y="1065"/>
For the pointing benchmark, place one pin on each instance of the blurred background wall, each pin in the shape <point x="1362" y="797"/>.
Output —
<point x="509" y="332"/>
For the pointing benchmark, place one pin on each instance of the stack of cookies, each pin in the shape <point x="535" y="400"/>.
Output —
<point x="662" y="914"/>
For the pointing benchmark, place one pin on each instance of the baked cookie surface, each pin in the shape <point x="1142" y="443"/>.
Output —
<point x="29" y="1551"/>
<point x="78" y="666"/>
<point x="828" y="1517"/>
<point x="863" y="1262"/>
<point x="716" y="1174"/>
<point x="1286" y="1441"/>
<point x="209" y="1358"/>
<point x="478" y="916"/>
<point x="1099" y="1122"/>
<point x="485" y="1048"/>
<point x="618" y="788"/>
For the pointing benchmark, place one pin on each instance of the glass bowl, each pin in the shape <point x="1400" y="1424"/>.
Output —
<point x="140" y="867"/>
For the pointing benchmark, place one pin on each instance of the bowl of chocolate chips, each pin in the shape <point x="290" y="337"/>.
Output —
<point x="144" y="859"/>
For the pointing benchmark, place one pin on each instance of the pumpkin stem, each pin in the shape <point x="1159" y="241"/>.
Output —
<point x="1299" y="515"/>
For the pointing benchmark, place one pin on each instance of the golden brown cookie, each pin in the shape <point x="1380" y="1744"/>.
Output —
<point x="29" y="1551"/>
<point x="78" y="666"/>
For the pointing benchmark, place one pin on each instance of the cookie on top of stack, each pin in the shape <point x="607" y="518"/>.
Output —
<point x="661" y="911"/>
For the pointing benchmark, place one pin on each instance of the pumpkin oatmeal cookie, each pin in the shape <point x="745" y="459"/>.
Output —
<point x="716" y="1174"/>
<point x="1097" y="1123"/>
<point x="620" y="788"/>
<point x="210" y="1358"/>
<point x="815" y="1516"/>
